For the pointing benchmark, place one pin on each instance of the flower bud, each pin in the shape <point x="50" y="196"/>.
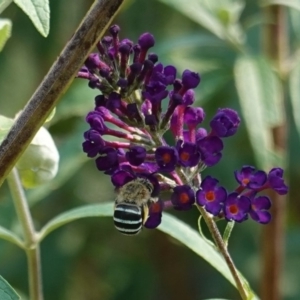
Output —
<point x="39" y="163"/>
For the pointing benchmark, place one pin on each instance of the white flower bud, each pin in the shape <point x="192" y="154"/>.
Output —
<point x="39" y="163"/>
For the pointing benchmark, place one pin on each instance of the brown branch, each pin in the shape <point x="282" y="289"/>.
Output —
<point x="56" y="82"/>
<point x="275" y="47"/>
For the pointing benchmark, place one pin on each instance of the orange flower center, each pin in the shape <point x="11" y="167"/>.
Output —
<point x="155" y="208"/>
<point x="245" y="181"/>
<point x="184" y="198"/>
<point x="233" y="209"/>
<point x="166" y="158"/>
<point x="210" y="196"/>
<point x="184" y="156"/>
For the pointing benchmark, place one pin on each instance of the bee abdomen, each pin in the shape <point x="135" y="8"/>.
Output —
<point x="128" y="218"/>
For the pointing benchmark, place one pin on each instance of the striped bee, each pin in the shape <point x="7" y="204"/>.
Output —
<point x="132" y="206"/>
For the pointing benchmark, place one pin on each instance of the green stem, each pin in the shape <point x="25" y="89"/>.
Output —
<point x="202" y="234"/>
<point x="22" y="208"/>
<point x="31" y="245"/>
<point x="227" y="232"/>
<point x="223" y="250"/>
<point x="35" y="273"/>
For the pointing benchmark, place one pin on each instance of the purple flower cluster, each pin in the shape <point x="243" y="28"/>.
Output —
<point x="127" y="127"/>
<point x="244" y="201"/>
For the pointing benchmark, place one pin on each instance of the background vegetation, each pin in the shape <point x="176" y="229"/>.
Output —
<point x="89" y="259"/>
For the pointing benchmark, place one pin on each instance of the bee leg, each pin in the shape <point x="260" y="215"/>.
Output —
<point x="145" y="210"/>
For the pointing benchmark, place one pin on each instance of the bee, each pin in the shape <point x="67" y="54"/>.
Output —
<point x="132" y="206"/>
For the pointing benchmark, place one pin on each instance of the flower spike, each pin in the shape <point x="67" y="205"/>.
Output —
<point x="144" y="132"/>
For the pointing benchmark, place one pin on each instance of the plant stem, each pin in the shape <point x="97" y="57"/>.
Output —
<point x="227" y="232"/>
<point x="275" y="47"/>
<point x="55" y="82"/>
<point x="222" y="247"/>
<point x="22" y="208"/>
<point x="31" y="245"/>
<point x="35" y="273"/>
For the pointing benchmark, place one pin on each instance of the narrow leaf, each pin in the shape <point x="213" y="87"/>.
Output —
<point x="191" y="238"/>
<point x="219" y="17"/>
<point x="291" y="3"/>
<point x="51" y="115"/>
<point x="271" y="92"/>
<point x="96" y="210"/>
<point x="5" y="125"/>
<point x="197" y="11"/>
<point x="5" y="31"/>
<point x="170" y="225"/>
<point x="39" y="13"/>
<point x="191" y="41"/>
<point x="229" y="11"/>
<point x="249" y="298"/>
<point x="7" y="235"/>
<point x="294" y="85"/>
<point x="257" y="89"/>
<point x="6" y="291"/>
<point x="295" y="22"/>
<point x="4" y="4"/>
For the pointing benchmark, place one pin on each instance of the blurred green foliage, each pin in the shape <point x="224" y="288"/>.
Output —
<point x="6" y="291"/>
<point x="89" y="259"/>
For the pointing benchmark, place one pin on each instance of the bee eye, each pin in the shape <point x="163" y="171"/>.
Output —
<point x="128" y="218"/>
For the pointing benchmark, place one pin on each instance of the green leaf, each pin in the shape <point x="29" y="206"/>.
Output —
<point x="6" y="291"/>
<point x="271" y="92"/>
<point x="198" y="51"/>
<point x="253" y="298"/>
<point x="51" y="115"/>
<point x="4" y="4"/>
<point x="7" y="235"/>
<point x="219" y="17"/>
<point x="191" y="238"/>
<point x="190" y="41"/>
<point x="39" y="13"/>
<point x="5" y="125"/>
<point x="295" y="22"/>
<point x="5" y="31"/>
<point x="170" y="225"/>
<point x="227" y="11"/>
<point x="96" y="210"/>
<point x="291" y="3"/>
<point x="197" y="11"/>
<point x="294" y="86"/>
<point x="260" y="98"/>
